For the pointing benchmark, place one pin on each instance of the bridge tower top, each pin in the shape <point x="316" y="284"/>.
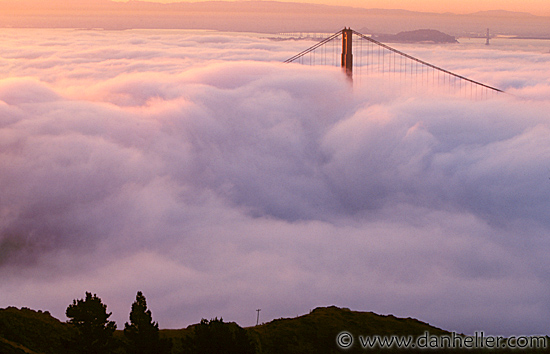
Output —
<point x="347" y="56"/>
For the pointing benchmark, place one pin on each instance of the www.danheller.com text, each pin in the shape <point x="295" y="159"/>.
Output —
<point x="479" y="340"/>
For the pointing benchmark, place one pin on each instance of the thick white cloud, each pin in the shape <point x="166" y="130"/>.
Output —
<point x="201" y="170"/>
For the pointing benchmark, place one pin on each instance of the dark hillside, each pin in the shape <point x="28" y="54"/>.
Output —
<point x="28" y="331"/>
<point x="24" y="331"/>
<point x="316" y="332"/>
<point x="7" y="347"/>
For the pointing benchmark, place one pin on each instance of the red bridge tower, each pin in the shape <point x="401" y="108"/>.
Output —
<point x="347" y="56"/>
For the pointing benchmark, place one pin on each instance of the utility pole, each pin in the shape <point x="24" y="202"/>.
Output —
<point x="258" y="317"/>
<point x="347" y="56"/>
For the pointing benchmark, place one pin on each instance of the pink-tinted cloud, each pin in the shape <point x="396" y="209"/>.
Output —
<point x="218" y="181"/>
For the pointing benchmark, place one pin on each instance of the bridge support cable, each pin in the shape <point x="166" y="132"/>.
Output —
<point x="313" y="48"/>
<point x="418" y="61"/>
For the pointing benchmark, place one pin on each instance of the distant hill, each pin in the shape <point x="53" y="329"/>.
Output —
<point x="417" y="36"/>
<point x="503" y="13"/>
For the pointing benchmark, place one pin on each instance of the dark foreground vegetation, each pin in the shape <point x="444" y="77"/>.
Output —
<point x="89" y="331"/>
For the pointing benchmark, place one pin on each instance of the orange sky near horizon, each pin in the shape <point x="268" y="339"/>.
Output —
<point x="535" y="7"/>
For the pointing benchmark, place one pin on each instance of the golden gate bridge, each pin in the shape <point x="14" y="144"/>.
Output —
<point x="366" y="56"/>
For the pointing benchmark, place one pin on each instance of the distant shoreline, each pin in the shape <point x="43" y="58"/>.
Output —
<point x="521" y="37"/>
<point x="506" y="37"/>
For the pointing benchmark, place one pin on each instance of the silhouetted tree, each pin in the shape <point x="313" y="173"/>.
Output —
<point x="142" y="333"/>
<point x="217" y="337"/>
<point x="91" y="319"/>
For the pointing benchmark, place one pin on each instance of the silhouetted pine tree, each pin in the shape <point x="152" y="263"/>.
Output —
<point x="142" y="333"/>
<point x="90" y="318"/>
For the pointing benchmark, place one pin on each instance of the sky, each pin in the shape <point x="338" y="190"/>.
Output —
<point x="274" y="17"/>
<point x="537" y="7"/>
<point x="199" y="169"/>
